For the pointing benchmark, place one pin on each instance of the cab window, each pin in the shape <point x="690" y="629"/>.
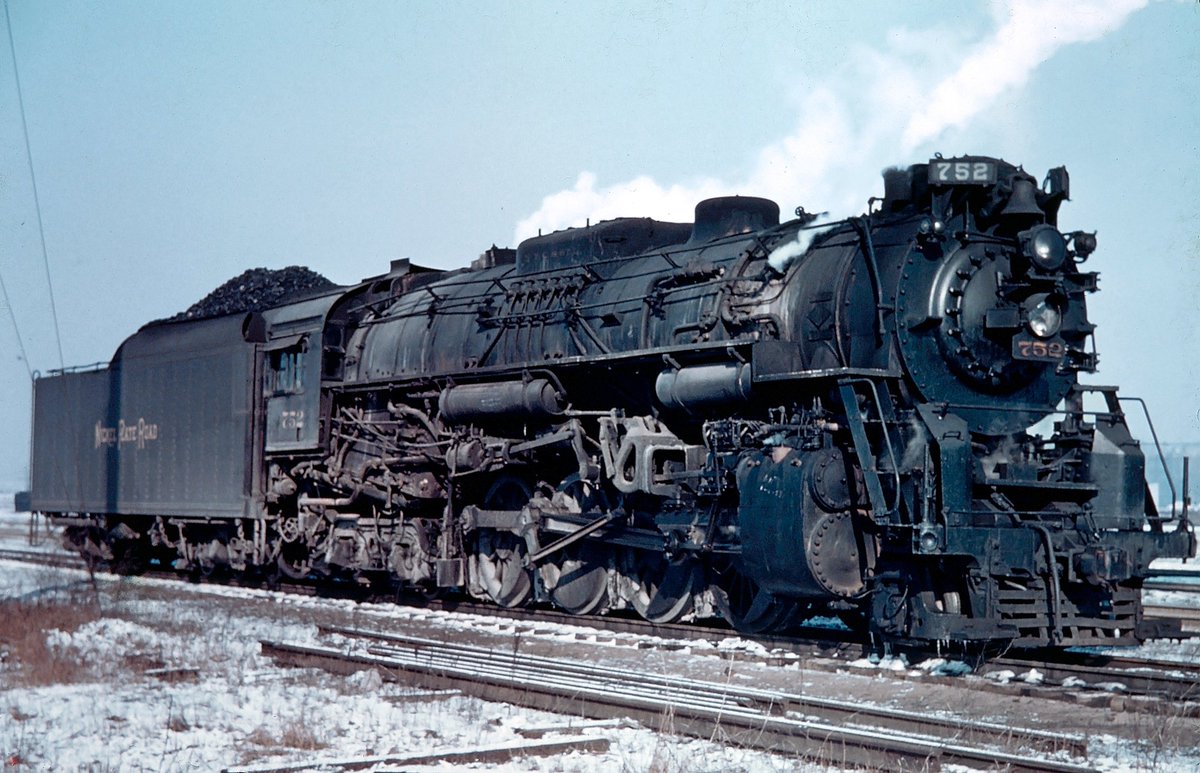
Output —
<point x="285" y="376"/>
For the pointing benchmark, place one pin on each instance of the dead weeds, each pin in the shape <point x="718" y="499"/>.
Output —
<point x="29" y="661"/>
<point x="296" y="734"/>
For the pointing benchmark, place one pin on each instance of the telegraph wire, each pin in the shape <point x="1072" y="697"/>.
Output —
<point x="36" y="200"/>
<point x="13" y="316"/>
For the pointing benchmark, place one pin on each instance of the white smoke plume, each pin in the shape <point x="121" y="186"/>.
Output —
<point x="1030" y="33"/>
<point x="878" y="110"/>
<point x="784" y="254"/>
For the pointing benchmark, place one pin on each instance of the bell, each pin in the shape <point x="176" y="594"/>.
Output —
<point x="1023" y="200"/>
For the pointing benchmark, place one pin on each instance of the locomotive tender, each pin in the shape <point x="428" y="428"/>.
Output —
<point x="736" y="416"/>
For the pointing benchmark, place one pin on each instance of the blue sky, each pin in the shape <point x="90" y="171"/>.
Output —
<point x="179" y="143"/>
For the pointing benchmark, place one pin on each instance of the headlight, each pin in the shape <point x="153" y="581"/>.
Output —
<point x="1045" y="316"/>
<point x="1046" y="247"/>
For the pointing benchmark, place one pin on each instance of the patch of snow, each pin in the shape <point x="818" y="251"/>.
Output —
<point x="864" y="663"/>
<point x="1110" y="686"/>
<point x="885" y="663"/>
<point x="1003" y="676"/>
<point x="735" y="644"/>
<point x="1032" y="676"/>
<point x="943" y="667"/>
<point x="104" y="638"/>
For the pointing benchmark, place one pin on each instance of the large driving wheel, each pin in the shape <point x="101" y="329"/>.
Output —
<point x="500" y="555"/>
<point x="500" y="558"/>
<point x="665" y="591"/>
<point x="751" y="609"/>
<point x="578" y="579"/>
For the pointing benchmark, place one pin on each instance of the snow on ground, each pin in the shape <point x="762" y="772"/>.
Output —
<point x="242" y="708"/>
<point x="115" y="716"/>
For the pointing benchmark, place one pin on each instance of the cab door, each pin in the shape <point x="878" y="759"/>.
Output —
<point x="292" y="379"/>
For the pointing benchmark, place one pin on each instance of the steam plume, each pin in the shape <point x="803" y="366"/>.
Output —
<point x="784" y="254"/>
<point x="1029" y="34"/>
<point x="879" y="110"/>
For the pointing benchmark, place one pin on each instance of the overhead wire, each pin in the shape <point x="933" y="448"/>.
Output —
<point x="12" y="315"/>
<point x="36" y="199"/>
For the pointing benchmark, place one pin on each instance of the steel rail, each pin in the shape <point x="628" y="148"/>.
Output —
<point x="1172" y="611"/>
<point x="726" y="721"/>
<point x="811" y="640"/>
<point x="1180" y="587"/>
<point x="1179" y="682"/>
<point x="771" y="701"/>
<point x="1056" y="666"/>
<point x="56" y="559"/>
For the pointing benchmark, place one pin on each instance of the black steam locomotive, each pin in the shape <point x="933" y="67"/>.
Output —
<point x="877" y="418"/>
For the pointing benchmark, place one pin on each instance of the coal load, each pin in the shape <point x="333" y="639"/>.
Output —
<point x="257" y="289"/>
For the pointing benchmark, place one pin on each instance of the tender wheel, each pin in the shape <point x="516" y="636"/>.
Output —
<point x="579" y="580"/>
<point x="129" y="560"/>
<point x="665" y="591"/>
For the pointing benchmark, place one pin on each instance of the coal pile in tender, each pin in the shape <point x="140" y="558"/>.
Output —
<point x="256" y="290"/>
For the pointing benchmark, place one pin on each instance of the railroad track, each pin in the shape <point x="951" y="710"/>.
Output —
<point x="1178" y="683"/>
<point x="1137" y="676"/>
<point x="1186" y="614"/>
<point x="55" y="558"/>
<point x="1162" y="679"/>
<point x="1179" y="587"/>
<point x="1180" y="580"/>
<point x="814" y="641"/>
<point x="835" y="731"/>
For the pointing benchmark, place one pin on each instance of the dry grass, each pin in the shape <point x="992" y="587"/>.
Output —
<point x="28" y="660"/>
<point x="1161" y="734"/>
<point x="296" y="734"/>
<point x="260" y="737"/>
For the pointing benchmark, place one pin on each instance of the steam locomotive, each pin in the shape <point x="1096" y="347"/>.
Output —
<point x="876" y="418"/>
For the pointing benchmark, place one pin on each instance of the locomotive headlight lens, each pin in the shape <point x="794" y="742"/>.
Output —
<point x="1046" y="247"/>
<point x="1045" y="316"/>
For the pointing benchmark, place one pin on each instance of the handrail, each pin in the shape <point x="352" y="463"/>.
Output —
<point x="95" y="366"/>
<point x="1080" y="411"/>
<point x="880" y="507"/>
<point x="1162" y="459"/>
<point x="887" y="438"/>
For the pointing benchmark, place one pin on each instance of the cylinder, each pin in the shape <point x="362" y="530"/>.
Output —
<point x="703" y="387"/>
<point x="512" y="400"/>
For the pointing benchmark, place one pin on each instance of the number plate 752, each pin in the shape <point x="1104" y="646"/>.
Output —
<point x="1029" y="348"/>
